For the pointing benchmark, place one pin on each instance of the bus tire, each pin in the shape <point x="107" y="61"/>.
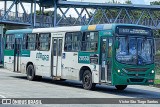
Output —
<point x="31" y="73"/>
<point x="121" y="87"/>
<point x="87" y="80"/>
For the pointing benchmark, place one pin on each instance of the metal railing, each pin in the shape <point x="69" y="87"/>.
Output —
<point x="12" y="17"/>
<point x="44" y="21"/>
<point x="41" y="20"/>
<point x="47" y="21"/>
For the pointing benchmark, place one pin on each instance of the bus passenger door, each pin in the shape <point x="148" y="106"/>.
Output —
<point x="106" y="59"/>
<point x="56" y="54"/>
<point x="17" y="53"/>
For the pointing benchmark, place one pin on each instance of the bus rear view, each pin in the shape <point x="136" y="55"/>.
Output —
<point x="133" y="57"/>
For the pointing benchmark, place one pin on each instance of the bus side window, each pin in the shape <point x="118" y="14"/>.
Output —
<point x="90" y="41"/>
<point x="54" y="47"/>
<point x="9" y="42"/>
<point x="44" y="42"/>
<point x="24" y="41"/>
<point x="38" y="42"/>
<point x="60" y="47"/>
<point x="68" y="42"/>
<point x="31" y="41"/>
<point x="110" y="47"/>
<point x="72" y="42"/>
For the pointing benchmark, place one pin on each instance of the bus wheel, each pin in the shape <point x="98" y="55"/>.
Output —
<point x="87" y="80"/>
<point x="31" y="73"/>
<point x="121" y="87"/>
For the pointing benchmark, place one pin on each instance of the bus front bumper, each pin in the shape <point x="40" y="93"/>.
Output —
<point x="132" y="80"/>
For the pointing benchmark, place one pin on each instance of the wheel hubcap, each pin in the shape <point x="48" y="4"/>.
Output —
<point x="30" y="72"/>
<point x="87" y="80"/>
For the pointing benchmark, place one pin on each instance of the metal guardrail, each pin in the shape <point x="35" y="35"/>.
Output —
<point x="44" y="21"/>
<point x="41" y="20"/>
<point x="11" y="17"/>
<point x="47" y="21"/>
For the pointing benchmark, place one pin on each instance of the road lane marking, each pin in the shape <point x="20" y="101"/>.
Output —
<point x="2" y="96"/>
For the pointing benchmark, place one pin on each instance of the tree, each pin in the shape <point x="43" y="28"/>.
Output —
<point x="46" y="13"/>
<point x="157" y="15"/>
<point x="128" y="2"/>
<point x="111" y="14"/>
<point x="155" y="3"/>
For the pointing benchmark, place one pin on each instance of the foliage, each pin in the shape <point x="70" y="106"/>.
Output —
<point x="157" y="14"/>
<point x="155" y="3"/>
<point x="156" y="33"/>
<point x="128" y="2"/>
<point x="46" y="13"/>
<point x="134" y="15"/>
<point x="157" y="69"/>
<point x="157" y="81"/>
<point x="158" y="52"/>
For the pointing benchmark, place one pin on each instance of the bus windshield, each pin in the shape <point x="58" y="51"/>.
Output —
<point x="135" y="50"/>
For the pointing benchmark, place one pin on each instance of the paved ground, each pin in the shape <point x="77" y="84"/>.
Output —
<point x="14" y="85"/>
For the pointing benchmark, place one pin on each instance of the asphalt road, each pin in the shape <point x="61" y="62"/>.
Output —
<point x="15" y="85"/>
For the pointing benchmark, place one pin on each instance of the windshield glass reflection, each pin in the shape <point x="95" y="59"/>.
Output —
<point x="134" y="50"/>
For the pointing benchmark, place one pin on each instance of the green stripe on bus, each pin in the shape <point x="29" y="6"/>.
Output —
<point x="83" y="57"/>
<point x="25" y="53"/>
<point x="8" y="52"/>
<point x="105" y="33"/>
<point x="19" y="31"/>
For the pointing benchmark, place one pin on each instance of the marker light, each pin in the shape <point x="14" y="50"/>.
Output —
<point x="152" y="71"/>
<point x="119" y="71"/>
<point x="150" y="80"/>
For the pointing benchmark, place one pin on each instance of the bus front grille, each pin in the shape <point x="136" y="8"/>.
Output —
<point x="136" y="79"/>
<point x="136" y="75"/>
<point x="136" y="69"/>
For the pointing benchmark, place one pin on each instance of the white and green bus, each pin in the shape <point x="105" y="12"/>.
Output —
<point x="114" y="54"/>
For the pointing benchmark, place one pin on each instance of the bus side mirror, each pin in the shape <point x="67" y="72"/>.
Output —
<point x="117" y="44"/>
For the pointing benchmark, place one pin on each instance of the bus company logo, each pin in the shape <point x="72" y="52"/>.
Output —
<point x="107" y="33"/>
<point x="84" y="58"/>
<point x="43" y="57"/>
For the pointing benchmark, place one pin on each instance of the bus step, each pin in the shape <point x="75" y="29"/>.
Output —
<point x="56" y="78"/>
<point x="108" y="82"/>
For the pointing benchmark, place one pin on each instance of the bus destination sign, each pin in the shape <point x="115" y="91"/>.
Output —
<point x="134" y="31"/>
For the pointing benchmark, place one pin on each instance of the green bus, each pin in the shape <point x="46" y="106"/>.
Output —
<point x="111" y="54"/>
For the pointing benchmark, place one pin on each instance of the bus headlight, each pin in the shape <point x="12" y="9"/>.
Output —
<point x="119" y="71"/>
<point x="152" y="71"/>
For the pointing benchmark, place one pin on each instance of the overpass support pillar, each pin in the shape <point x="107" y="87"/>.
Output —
<point x="1" y="44"/>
